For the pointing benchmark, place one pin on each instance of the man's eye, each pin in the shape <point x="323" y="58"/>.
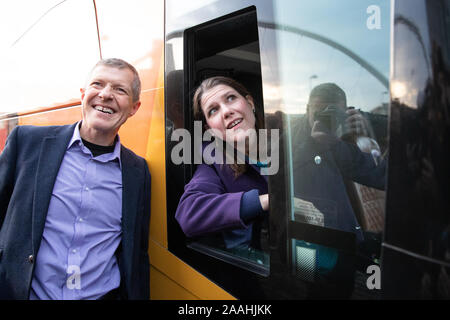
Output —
<point x="121" y="90"/>
<point x="96" y="84"/>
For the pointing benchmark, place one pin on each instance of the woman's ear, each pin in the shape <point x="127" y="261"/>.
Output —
<point x="249" y="99"/>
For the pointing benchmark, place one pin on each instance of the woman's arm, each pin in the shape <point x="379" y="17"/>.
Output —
<point x="206" y="207"/>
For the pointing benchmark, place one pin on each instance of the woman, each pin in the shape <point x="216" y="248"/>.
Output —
<point x="230" y="199"/>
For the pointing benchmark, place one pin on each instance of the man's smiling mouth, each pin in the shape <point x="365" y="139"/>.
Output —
<point x="104" y="109"/>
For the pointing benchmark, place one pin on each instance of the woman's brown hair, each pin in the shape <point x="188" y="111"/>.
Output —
<point x="212" y="82"/>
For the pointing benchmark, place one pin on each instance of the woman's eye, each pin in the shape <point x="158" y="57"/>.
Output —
<point x="212" y="111"/>
<point x="231" y="98"/>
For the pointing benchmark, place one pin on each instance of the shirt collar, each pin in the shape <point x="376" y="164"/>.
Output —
<point x="76" y="138"/>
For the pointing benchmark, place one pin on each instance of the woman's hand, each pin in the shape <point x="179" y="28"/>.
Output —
<point x="264" y="199"/>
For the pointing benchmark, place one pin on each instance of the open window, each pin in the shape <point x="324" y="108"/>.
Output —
<point x="313" y="250"/>
<point x="227" y="46"/>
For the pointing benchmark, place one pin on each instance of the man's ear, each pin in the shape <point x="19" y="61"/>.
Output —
<point x="134" y="108"/>
<point x="82" y="90"/>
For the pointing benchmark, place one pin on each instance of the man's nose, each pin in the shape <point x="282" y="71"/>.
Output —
<point x="105" y="92"/>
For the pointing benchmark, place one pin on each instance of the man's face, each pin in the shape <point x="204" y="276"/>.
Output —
<point x="108" y="100"/>
<point x="318" y="104"/>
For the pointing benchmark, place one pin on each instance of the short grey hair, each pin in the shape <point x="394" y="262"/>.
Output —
<point x="122" y="64"/>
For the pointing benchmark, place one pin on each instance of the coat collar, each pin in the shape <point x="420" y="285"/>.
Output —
<point x="131" y="176"/>
<point x="50" y="157"/>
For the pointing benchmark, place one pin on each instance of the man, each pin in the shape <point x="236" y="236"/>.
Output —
<point x="75" y="203"/>
<point x="324" y="156"/>
<point x="322" y="160"/>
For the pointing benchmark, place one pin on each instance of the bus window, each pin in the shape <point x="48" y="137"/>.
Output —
<point x="333" y="68"/>
<point x="227" y="46"/>
<point x="326" y="202"/>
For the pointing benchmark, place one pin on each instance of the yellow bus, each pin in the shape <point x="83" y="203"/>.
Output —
<point x="389" y="57"/>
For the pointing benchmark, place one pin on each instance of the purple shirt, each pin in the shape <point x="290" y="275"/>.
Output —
<point x="83" y="227"/>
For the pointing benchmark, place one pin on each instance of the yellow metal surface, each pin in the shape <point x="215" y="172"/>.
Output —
<point x="157" y="164"/>
<point x="185" y="276"/>
<point x="163" y="288"/>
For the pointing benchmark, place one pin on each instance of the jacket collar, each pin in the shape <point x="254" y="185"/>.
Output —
<point x="51" y="154"/>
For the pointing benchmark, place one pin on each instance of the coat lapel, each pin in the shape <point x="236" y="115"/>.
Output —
<point x="130" y="200"/>
<point x="51" y="154"/>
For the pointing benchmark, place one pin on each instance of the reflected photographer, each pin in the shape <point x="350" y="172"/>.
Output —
<point x="328" y="105"/>
<point x="326" y="152"/>
<point x="332" y="144"/>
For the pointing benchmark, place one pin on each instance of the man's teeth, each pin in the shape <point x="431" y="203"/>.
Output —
<point x="103" y="109"/>
<point x="234" y="123"/>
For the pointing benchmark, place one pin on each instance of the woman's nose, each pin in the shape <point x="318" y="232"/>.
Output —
<point x="226" y="111"/>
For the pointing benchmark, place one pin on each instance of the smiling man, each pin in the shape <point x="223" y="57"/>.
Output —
<point x="75" y="203"/>
<point x="111" y="96"/>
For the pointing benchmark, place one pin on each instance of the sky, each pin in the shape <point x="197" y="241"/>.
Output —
<point x="48" y="47"/>
<point x="41" y="49"/>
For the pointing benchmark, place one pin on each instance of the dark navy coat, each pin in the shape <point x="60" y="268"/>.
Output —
<point x="319" y="171"/>
<point x="29" y="165"/>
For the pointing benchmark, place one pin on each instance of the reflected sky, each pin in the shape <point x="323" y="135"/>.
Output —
<point x="298" y="62"/>
<point x="305" y="62"/>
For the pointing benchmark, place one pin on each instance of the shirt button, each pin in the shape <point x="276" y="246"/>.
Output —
<point x="30" y="258"/>
<point x="74" y="251"/>
<point x="81" y="219"/>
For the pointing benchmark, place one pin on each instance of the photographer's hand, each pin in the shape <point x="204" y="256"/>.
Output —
<point x="355" y="124"/>
<point x="321" y="134"/>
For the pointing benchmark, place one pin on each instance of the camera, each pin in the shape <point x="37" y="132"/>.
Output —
<point x="331" y="117"/>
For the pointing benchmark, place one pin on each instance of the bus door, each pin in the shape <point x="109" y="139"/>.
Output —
<point x="305" y="63"/>
<point x="225" y="44"/>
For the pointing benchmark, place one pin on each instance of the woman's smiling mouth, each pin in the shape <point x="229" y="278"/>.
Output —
<point x="234" y="123"/>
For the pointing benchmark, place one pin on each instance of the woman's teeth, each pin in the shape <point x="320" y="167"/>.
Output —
<point x="234" y="123"/>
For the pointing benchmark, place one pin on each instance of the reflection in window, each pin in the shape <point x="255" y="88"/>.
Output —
<point x="335" y="98"/>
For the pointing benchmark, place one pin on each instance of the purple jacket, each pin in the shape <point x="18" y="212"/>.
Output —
<point x="212" y="202"/>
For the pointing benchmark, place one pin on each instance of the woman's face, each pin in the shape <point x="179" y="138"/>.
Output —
<point x="228" y="112"/>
